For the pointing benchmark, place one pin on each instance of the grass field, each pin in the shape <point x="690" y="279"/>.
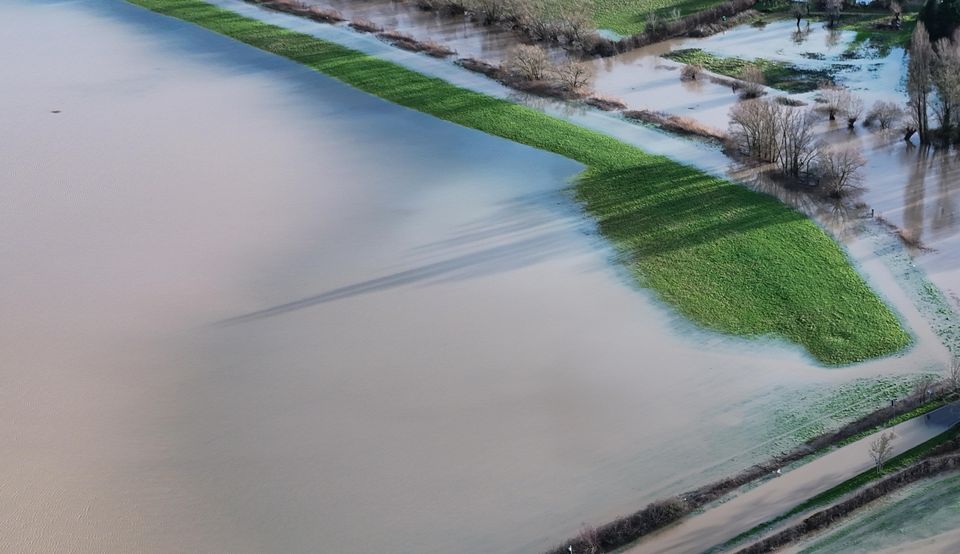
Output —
<point x="778" y="75"/>
<point x="728" y="258"/>
<point x="628" y="17"/>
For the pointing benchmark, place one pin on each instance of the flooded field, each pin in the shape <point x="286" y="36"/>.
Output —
<point x="248" y="309"/>
<point x="910" y="188"/>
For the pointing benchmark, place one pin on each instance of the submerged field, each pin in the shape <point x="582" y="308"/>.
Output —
<point x="728" y="258"/>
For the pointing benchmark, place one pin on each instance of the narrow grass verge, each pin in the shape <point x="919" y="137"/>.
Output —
<point x="778" y="75"/>
<point x="899" y="462"/>
<point x="728" y="258"/>
<point x="628" y="17"/>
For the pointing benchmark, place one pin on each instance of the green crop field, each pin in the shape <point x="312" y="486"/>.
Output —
<point x="727" y="258"/>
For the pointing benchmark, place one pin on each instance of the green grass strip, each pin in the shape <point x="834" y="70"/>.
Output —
<point x="628" y="17"/>
<point x="728" y="258"/>
<point x="834" y="494"/>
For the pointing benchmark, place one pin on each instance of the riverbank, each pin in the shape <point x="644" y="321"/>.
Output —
<point x="723" y="256"/>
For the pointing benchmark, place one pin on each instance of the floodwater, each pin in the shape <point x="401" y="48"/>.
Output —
<point x="247" y="308"/>
<point x="910" y="187"/>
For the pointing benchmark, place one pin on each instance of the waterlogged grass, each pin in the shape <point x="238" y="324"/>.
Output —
<point x="778" y="75"/>
<point x="728" y="258"/>
<point x="880" y="41"/>
<point x="628" y="17"/>
<point x="812" y="412"/>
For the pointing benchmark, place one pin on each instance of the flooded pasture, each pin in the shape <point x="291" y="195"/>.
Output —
<point x="247" y="308"/>
<point x="911" y="188"/>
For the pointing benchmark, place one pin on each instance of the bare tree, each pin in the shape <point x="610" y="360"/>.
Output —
<point x="840" y="168"/>
<point x="528" y="62"/>
<point x="590" y="539"/>
<point x="881" y="449"/>
<point x="852" y="108"/>
<point x="833" y="11"/>
<point x="919" y="83"/>
<point x="797" y="12"/>
<point x="754" y="129"/>
<point x="753" y="79"/>
<point x="954" y="378"/>
<point x="946" y="81"/>
<point x="574" y="76"/>
<point x="885" y="114"/>
<point x="797" y="140"/>
<point x="833" y="98"/>
<point x="896" y="10"/>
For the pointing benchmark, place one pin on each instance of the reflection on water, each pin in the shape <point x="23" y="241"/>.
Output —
<point x="247" y="308"/>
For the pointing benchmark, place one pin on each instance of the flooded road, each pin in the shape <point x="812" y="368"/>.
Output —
<point x="248" y="309"/>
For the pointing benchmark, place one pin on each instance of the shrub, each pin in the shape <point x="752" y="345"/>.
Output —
<point x="691" y="72"/>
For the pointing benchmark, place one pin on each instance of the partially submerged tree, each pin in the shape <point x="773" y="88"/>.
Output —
<point x="852" y="108"/>
<point x="527" y="62"/>
<point x="833" y="98"/>
<point x="574" y="76"/>
<point x="753" y="79"/>
<point x="840" y="168"/>
<point x="881" y="449"/>
<point x="885" y="114"/>
<point x="754" y="129"/>
<point x="919" y="84"/>
<point x="691" y="72"/>
<point x="833" y="12"/>
<point x="797" y="140"/>
<point x="946" y="81"/>
<point x="797" y="11"/>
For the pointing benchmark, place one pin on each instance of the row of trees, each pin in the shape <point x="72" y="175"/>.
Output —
<point x="933" y="85"/>
<point x="768" y="131"/>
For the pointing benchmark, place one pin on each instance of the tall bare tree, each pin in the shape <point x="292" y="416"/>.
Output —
<point x="919" y="83"/>
<point x="833" y="11"/>
<point x="946" y="81"/>
<point x="852" y="108"/>
<point x="797" y="140"/>
<point x="840" y="167"/>
<point x="881" y="449"/>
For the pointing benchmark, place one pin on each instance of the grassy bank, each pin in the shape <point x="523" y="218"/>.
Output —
<point x="902" y="461"/>
<point x="628" y="17"/>
<point x="778" y="75"/>
<point x="728" y="258"/>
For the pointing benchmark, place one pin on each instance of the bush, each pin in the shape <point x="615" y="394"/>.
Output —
<point x="753" y="81"/>
<point x="885" y="114"/>
<point x="691" y="72"/>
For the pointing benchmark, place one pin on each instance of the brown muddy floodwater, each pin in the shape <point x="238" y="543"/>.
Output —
<point x="247" y="309"/>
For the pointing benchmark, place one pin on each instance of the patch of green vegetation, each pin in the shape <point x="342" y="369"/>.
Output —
<point x="731" y="259"/>
<point x="880" y="39"/>
<point x="834" y="494"/>
<point x="779" y="75"/>
<point x="628" y="17"/>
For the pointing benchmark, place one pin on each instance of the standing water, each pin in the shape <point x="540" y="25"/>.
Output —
<point x="247" y="308"/>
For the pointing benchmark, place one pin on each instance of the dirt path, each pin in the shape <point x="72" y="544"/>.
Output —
<point x="776" y="496"/>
